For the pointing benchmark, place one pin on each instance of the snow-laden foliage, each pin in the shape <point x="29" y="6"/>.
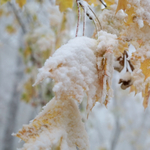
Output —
<point x="77" y="69"/>
<point x="73" y="68"/>
<point x="58" y="126"/>
<point x="84" y="66"/>
<point x="132" y="26"/>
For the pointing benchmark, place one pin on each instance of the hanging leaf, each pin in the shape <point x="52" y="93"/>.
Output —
<point x="69" y="60"/>
<point x="59" y="125"/>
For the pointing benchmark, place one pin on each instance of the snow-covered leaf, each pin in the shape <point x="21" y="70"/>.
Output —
<point x="59" y="125"/>
<point x="73" y="68"/>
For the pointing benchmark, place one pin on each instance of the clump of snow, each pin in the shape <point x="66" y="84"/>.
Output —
<point x="106" y="42"/>
<point x="140" y="23"/>
<point x="73" y="68"/>
<point x="59" y="125"/>
<point x="126" y="76"/>
<point x="111" y="22"/>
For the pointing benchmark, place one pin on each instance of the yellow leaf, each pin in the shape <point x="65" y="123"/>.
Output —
<point x="122" y="4"/>
<point x="1" y="12"/>
<point x="146" y="95"/>
<point x="105" y="65"/>
<point x="27" y="51"/>
<point x="63" y="24"/>
<point x="3" y="1"/>
<point x="131" y="15"/>
<point x="58" y="119"/>
<point x="109" y="2"/>
<point x="10" y="29"/>
<point x="133" y="89"/>
<point x="21" y="3"/>
<point x="145" y="67"/>
<point x="64" y="4"/>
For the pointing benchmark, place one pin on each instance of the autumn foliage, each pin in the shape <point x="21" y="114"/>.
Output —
<point x="85" y="66"/>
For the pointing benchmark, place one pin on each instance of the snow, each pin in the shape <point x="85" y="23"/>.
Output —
<point x="58" y="125"/>
<point x="106" y="44"/>
<point x="73" y="68"/>
<point x="140" y="23"/>
<point x="85" y="65"/>
<point x="106" y="41"/>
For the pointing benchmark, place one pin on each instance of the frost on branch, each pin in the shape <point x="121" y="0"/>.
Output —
<point x="58" y="126"/>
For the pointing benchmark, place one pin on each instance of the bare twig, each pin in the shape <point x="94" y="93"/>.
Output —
<point x="78" y="22"/>
<point x="84" y="21"/>
<point x="103" y="3"/>
<point x="96" y="19"/>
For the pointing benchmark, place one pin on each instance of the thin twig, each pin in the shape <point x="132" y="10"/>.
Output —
<point x="103" y="3"/>
<point x="78" y="22"/>
<point x="84" y="21"/>
<point x="96" y="19"/>
<point x="95" y="26"/>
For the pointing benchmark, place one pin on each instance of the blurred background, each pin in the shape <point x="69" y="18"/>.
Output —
<point x="28" y="36"/>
